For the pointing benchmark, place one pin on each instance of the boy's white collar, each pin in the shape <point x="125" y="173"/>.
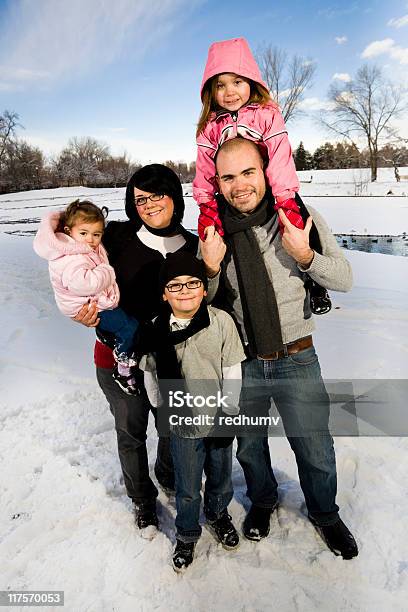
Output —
<point x="179" y="322"/>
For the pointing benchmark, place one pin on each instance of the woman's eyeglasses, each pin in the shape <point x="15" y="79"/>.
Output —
<point x="155" y="197"/>
<point x="175" y="287"/>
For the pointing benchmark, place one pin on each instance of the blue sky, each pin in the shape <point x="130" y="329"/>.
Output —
<point x="128" y="72"/>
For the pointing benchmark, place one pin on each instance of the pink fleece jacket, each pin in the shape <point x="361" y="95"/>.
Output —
<point x="77" y="272"/>
<point x="263" y="124"/>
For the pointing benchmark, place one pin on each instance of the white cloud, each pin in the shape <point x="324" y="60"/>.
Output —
<point x="315" y="104"/>
<point x="348" y="96"/>
<point x="340" y="40"/>
<point x="16" y="79"/>
<point x="400" y="54"/>
<point x="117" y="130"/>
<point x="22" y="74"/>
<point x="398" y="23"/>
<point x="341" y="76"/>
<point x="4" y="86"/>
<point x="378" y="47"/>
<point x="333" y="12"/>
<point x="284" y="93"/>
<point x="386" y="47"/>
<point x="59" y="39"/>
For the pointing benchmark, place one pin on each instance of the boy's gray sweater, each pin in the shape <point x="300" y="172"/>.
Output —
<point x="329" y="269"/>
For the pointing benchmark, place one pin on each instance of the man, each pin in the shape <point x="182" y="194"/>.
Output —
<point x="263" y="277"/>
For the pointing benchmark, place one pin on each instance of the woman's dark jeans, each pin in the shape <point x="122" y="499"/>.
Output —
<point x="131" y="414"/>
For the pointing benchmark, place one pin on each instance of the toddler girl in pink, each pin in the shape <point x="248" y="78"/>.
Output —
<point x="80" y="272"/>
<point x="236" y="102"/>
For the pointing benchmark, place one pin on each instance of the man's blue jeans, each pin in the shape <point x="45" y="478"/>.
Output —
<point x="296" y="386"/>
<point x="191" y="457"/>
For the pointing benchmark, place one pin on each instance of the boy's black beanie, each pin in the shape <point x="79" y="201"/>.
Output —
<point x="181" y="263"/>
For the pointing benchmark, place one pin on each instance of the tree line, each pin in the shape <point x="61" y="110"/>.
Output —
<point x="88" y="162"/>
<point x="83" y="161"/>
<point x="346" y="155"/>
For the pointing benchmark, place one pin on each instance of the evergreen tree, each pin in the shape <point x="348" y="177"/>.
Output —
<point x="324" y="157"/>
<point x="302" y="158"/>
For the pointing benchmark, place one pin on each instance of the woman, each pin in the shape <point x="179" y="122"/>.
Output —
<point x="136" y="249"/>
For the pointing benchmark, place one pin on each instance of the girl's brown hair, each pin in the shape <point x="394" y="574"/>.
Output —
<point x="82" y="212"/>
<point x="259" y="95"/>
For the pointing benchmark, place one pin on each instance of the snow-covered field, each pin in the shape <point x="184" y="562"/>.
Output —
<point x="370" y="212"/>
<point x="353" y="182"/>
<point x="66" y="523"/>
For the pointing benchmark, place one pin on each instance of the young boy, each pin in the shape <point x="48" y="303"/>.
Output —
<point x="200" y="345"/>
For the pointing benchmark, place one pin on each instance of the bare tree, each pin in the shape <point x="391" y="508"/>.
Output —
<point x="286" y="79"/>
<point x="364" y="107"/>
<point x="395" y="152"/>
<point x="79" y="162"/>
<point x="22" y="166"/>
<point x="393" y="156"/>
<point x="116" y="170"/>
<point x="8" y="124"/>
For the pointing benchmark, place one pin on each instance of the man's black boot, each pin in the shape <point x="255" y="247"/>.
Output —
<point x="338" y="538"/>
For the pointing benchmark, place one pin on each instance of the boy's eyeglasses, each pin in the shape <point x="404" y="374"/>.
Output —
<point x="155" y="197"/>
<point x="175" y="287"/>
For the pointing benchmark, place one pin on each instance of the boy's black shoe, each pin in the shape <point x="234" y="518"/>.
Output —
<point x="256" y="523"/>
<point x="338" y="538"/>
<point x="224" y="531"/>
<point x="126" y="383"/>
<point x="183" y="555"/>
<point x="146" y="519"/>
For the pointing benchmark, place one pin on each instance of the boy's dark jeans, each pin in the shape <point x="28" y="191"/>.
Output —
<point x="131" y="414"/>
<point x="192" y="457"/>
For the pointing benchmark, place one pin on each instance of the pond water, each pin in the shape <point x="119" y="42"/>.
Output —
<point x="390" y="245"/>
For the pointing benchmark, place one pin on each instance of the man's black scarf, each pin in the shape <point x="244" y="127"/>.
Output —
<point x="260" y="310"/>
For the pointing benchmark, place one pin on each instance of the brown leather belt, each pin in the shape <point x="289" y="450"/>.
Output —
<point x="289" y="349"/>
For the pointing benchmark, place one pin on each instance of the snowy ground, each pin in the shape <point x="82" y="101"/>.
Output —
<point x="353" y="182"/>
<point x="65" y="521"/>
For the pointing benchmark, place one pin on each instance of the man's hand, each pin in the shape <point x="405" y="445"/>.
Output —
<point x="88" y="315"/>
<point x="212" y="251"/>
<point x="295" y="241"/>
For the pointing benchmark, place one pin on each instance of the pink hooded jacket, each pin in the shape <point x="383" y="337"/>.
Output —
<point x="77" y="272"/>
<point x="263" y="124"/>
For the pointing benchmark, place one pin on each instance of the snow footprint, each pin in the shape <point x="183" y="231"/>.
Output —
<point x="348" y="472"/>
<point x="350" y="468"/>
<point x="15" y="335"/>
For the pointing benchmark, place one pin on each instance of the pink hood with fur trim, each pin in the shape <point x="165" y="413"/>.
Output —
<point x="231" y="56"/>
<point x="77" y="272"/>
